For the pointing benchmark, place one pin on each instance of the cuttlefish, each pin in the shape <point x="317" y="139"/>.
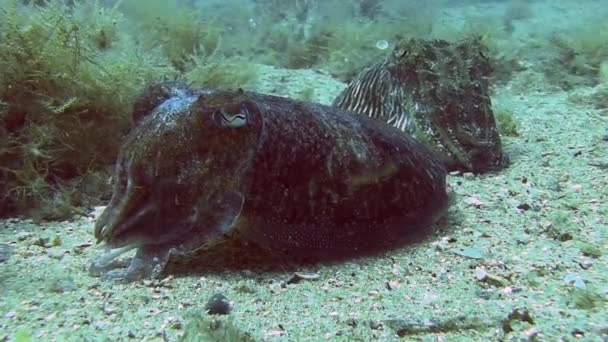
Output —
<point x="290" y="177"/>
<point x="438" y="92"/>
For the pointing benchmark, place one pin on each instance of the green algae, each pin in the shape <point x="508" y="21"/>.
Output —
<point x="71" y="74"/>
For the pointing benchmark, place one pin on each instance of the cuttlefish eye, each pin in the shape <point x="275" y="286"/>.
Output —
<point x="235" y="118"/>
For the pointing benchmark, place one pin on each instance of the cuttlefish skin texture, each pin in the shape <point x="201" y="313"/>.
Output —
<point x="439" y="92"/>
<point x="290" y="177"/>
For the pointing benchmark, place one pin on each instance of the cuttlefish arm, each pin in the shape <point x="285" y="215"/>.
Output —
<point x="148" y="262"/>
<point x="150" y="259"/>
<point x="123" y="213"/>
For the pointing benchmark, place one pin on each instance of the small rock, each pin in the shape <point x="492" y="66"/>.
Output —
<point x="62" y="284"/>
<point x="41" y="242"/>
<point x="375" y="325"/>
<point x="101" y="325"/>
<point x="578" y="333"/>
<point x="5" y="252"/>
<point x="483" y="275"/>
<point x="585" y="264"/>
<point x="468" y="252"/>
<point x="299" y="276"/>
<point x="392" y="285"/>
<point x="473" y="201"/>
<point x="218" y="305"/>
<point x="70" y="312"/>
<point x="56" y="254"/>
<point x="22" y="236"/>
<point x="109" y="310"/>
<point x="530" y="334"/>
<point x="518" y="314"/>
<point x="575" y="279"/>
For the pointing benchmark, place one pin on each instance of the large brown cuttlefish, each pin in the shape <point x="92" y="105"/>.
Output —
<point x="290" y="177"/>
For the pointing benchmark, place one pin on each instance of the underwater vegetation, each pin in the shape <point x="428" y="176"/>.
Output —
<point x="68" y="79"/>
<point x="178" y="31"/>
<point x="346" y="38"/>
<point x="516" y="10"/>
<point x="579" y="57"/>
<point x="190" y="40"/>
<point x="201" y="327"/>
<point x="506" y="124"/>
<point x="70" y="74"/>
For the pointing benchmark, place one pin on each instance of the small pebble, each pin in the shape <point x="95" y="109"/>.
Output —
<point x="101" y="325"/>
<point x="483" y="276"/>
<point x="62" y="284"/>
<point x="576" y="280"/>
<point x="467" y="252"/>
<point x="473" y="201"/>
<point x="392" y="285"/>
<point x="299" y="276"/>
<point x="5" y="252"/>
<point x="56" y="254"/>
<point x="468" y="175"/>
<point x="530" y="334"/>
<point x="218" y="305"/>
<point x="22" y="236"/>
<point x="375" y="325"/>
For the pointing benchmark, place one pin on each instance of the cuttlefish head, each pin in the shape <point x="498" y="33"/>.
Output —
<point x="180" y="174"/>
<point x="447" y="93"/>
<point x="467" y="140"/>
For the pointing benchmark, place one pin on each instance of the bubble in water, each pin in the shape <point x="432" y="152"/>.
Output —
<point x="382" y="44"/>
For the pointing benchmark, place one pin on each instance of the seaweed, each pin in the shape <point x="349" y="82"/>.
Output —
<point x="341" y="49"/>
<point x="309" y="53"/>
<point x="68" y="82"/>
<point x="590" y="249"/>
<point x="504" y="59"/>
<point x="178" y="30"/>
<point x="599" y="99"/>
<point x="343" y="44"/>
<point x="191" y="40"/>
<point x="585" y="299"/>
<point x="306" y="94"/>
<point x="370" y="8"/>
<point x="578" y="56"/>
<point x="562" y="227"/>
<point x="71" y="73"/>
<point x="204" y="328"/>
<point x="227" y="73"/>
<point x="23" y="335"/>
<point x="352" y="46"/>
<point x="506" y="124"/>
<point x="516" y="10"/>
